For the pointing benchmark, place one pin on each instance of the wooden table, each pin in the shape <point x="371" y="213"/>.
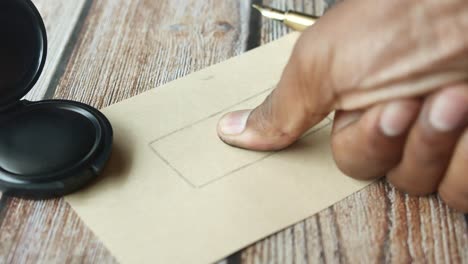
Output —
<point x="103" y="51"/>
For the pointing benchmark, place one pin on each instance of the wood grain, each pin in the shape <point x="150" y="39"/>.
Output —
<point x="60" y="19"/>
<point x="131" y="46"/>
<point x="126" y="47"/>
<point x="378" y="224"/>
<point x="47" y="232"/>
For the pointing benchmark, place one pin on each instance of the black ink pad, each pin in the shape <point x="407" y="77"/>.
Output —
<point x="47" y="148"/>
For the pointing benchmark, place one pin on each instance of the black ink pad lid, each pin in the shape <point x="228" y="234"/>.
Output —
<point x="47" y="148"/>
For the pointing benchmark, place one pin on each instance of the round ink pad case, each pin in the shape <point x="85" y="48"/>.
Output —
<point x="47" y="148"/>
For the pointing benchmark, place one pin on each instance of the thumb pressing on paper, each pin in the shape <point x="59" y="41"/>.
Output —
<point x="358" y="55"/>
<point x="292" y="108"/>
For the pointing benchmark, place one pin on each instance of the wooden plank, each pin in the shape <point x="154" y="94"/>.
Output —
<point x="139" y="45"/>
<point x="125" y="57"/>
<point x="124" y="48"/>
<point x="60" y="18"/>
<point x="375" y="225"/>
<point x="378" y="224"/>
<point x="47" y="232"/>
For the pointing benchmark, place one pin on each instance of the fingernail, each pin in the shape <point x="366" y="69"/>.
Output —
<point x="395" y="120"/>
<point x="446" y="113"/>
<point x="234" y="123"/>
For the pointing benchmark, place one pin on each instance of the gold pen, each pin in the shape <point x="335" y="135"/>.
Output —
<point x="295" y="20"/>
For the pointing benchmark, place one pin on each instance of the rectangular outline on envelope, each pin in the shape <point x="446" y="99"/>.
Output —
<point x="185" y="178"/>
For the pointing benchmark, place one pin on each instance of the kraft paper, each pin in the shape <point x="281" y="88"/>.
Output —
<point x="174" y="193"/>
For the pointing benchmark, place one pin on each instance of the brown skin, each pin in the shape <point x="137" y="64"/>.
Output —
<point x="421" y="143"/>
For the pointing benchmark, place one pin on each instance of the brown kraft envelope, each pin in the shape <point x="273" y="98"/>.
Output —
<point x="174" y="193"/>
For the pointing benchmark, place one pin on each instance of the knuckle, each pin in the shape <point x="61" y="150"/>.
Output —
<point x="263" y="117"/>
<point x="349" y="165"/>
<point x="267" y="124"/>
<point x="348" y="168"/>
<point x="359" y="158"/>
<point x="433" y="148"/>
<point x="372" y="148"/>
<point x="273" y="122"/>
<point x="376" y="149"/>
<point x="343" y="160"/>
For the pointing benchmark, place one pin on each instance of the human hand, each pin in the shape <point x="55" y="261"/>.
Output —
<point x="396" y="72"/>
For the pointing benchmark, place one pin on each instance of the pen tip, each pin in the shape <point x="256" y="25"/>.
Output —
<point x="259" y="8"/>
<point x="269" y="12"/>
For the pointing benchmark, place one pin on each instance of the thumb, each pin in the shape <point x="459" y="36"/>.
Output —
<point x="293" y="107"/>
